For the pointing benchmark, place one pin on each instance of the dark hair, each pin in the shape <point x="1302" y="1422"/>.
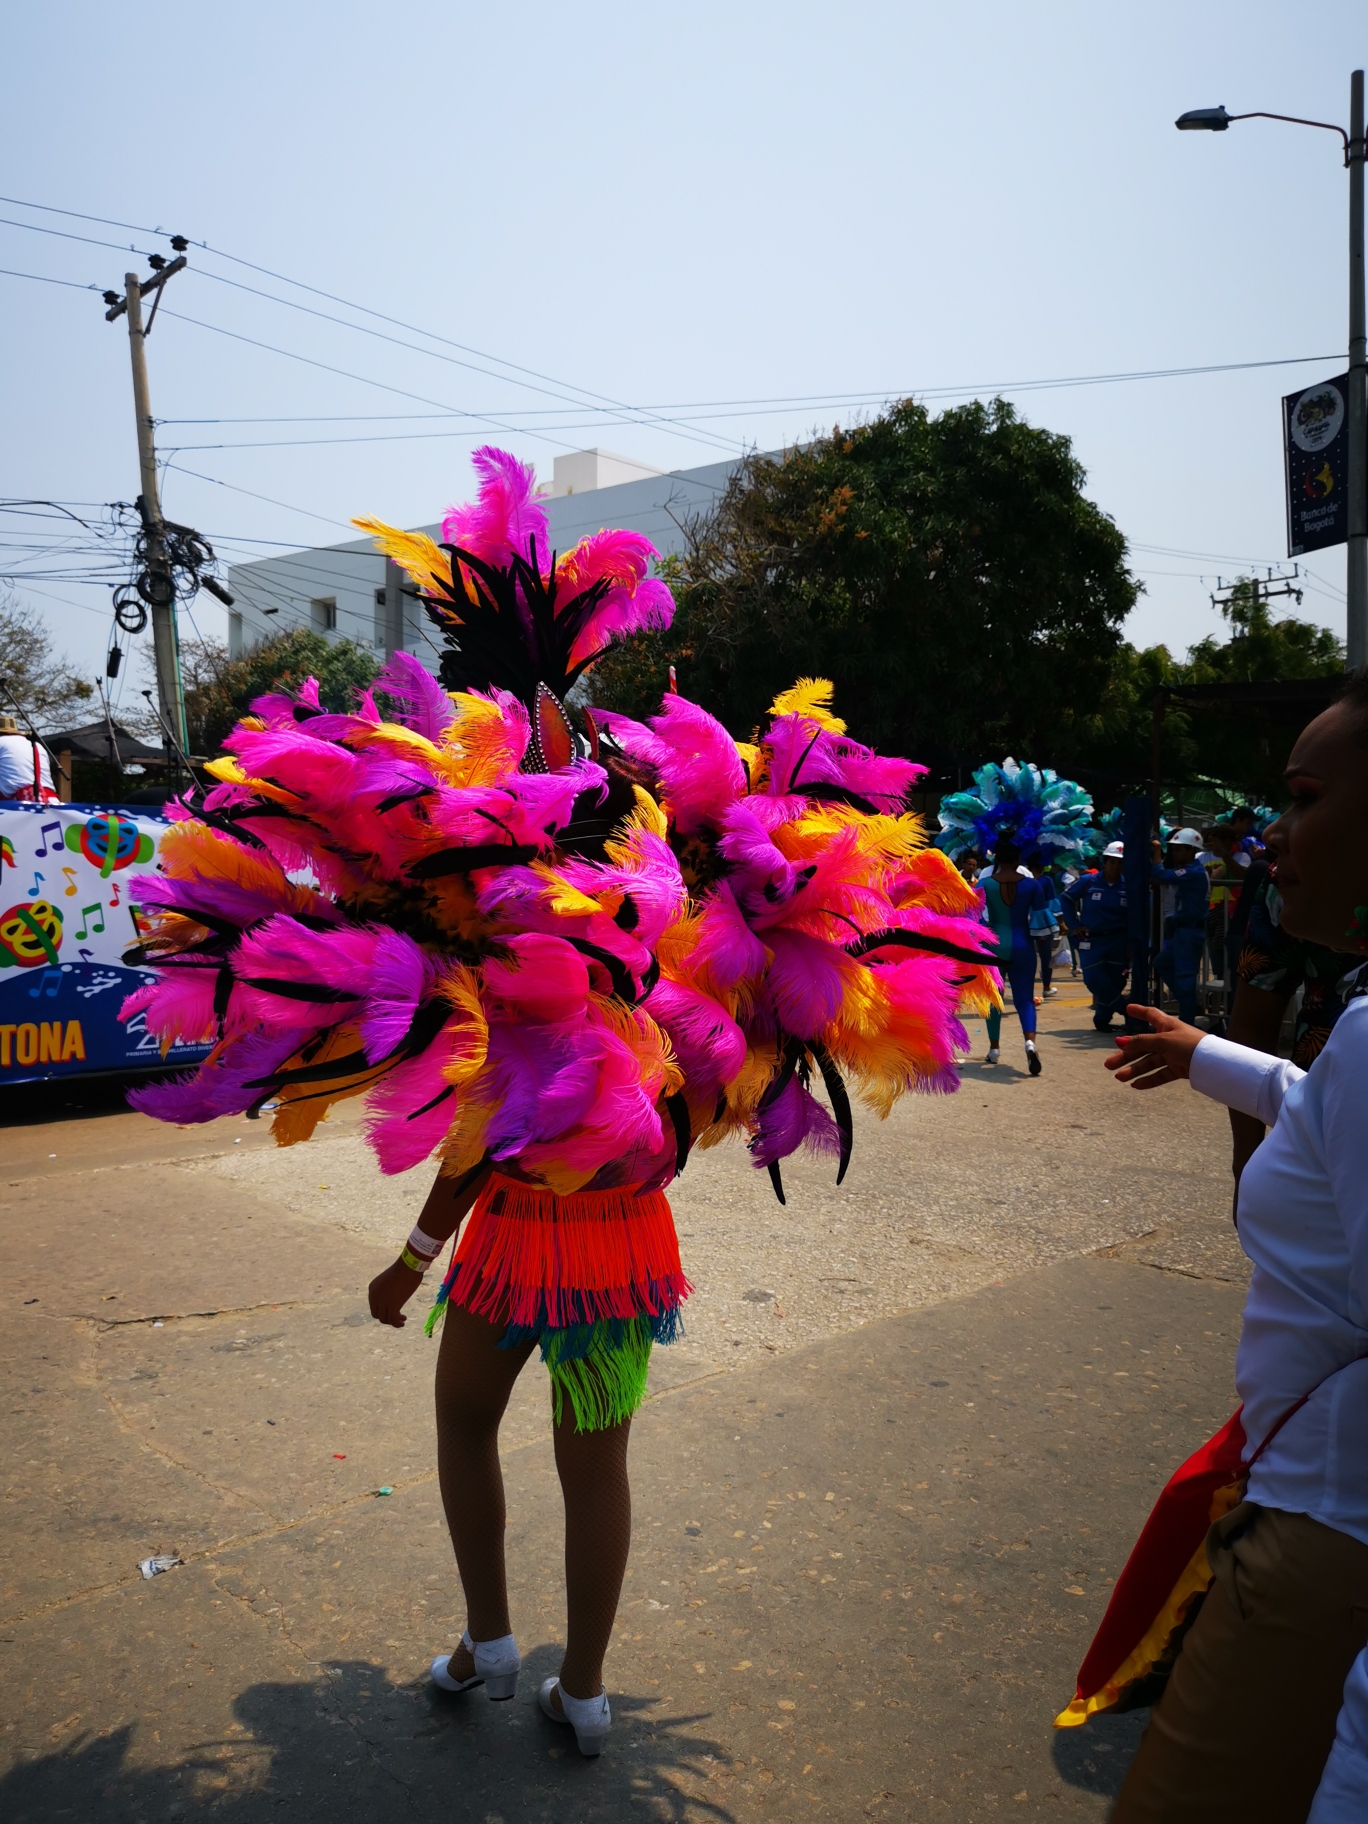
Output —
<point x="1242" y="810"/>
<point x="1003" y="848"/>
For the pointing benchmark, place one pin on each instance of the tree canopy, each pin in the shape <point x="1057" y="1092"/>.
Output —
<point x="1241" y="748"/>
<point x="218" y="689"/>
<point x="36" y="678"/>
<point x="947" y="573"/>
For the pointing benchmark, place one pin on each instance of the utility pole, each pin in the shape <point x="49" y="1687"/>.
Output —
<point x="1258" y="591"/>
<point x="1357" y="579"/>
<point x="157" y="584"/>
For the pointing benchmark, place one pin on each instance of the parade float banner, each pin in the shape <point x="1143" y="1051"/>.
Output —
<point x="65" y="923"/>
<point x="1316" y="459"/>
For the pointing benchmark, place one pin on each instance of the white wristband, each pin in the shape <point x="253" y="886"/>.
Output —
<point x="424" y="1244"/>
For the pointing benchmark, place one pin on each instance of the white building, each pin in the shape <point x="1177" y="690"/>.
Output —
<point x="349" y="591"/>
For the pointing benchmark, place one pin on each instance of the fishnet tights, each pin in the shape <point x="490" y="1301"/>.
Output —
<point x="474" y="1380"/>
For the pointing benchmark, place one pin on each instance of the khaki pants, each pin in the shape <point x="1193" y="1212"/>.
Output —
<point x="1246" y="1723"/>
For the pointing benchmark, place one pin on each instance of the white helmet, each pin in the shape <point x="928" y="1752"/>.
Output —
<point x="1114" y="851"/>
<point x="1186" y="839"/>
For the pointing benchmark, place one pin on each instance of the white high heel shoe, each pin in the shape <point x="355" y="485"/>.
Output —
<point x="589" y="1717"/>
<point x="497" y="1664"/>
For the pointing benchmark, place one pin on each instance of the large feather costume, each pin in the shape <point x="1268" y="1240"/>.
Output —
<point x="556" y="942"/>
<point x="1030" y="807"/>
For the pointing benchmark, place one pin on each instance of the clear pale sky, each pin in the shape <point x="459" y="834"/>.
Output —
<point x="679" y="210"/>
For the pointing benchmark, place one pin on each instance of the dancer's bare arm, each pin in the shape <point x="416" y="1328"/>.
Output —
<point x="446" y="1206"/>
<point x="1163" y="1055"/>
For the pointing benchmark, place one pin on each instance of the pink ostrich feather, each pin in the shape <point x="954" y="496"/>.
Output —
<point x="649" y="875"/>
<point x="409" y="1111"/>
<point x="807" y="981"/>
<point x="702" y="774"/>
<point x="620" y="1117"/>
<point x="504" y="517"/>
<point x="804" y="756"/>
<point x="710" y="1046"/>
<point x="634" y="601"/>
<point x="761" y="867"/>
<point x="726" y="948"/>
<point x="178" y="1005"/>
<point x="539" y="978"/>
<point x="276" y="707"/>
<point x="545" y="1078"/>
<point x="401" y="976"/>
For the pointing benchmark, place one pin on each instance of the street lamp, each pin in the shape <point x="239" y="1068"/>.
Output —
<point x="1216" y="120"/>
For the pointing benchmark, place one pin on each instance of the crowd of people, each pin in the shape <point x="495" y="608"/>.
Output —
<point x="1218" y="904"/>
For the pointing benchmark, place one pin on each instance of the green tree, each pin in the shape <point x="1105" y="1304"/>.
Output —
<point x="1218" y="752"/>
<point x="35" y="677"/>
<point x="946" y="572"/>
<point x="218" y="689"/>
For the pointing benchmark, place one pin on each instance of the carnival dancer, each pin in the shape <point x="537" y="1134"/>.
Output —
<point x="1185" y="926"/>
<point x="1016" y="809"/>
<point x="1097" y="911"/>
<point x="1276" y="1655"/>
<point x="555" y="957"/>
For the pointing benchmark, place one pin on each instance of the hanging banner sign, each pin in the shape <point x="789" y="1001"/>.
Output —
<point x="1316" y="458"/>
<point x="65" y="923"/>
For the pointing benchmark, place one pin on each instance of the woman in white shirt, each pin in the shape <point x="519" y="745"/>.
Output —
<point x="1277" y="1658"/>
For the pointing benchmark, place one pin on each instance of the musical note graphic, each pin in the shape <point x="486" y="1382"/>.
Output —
<point x="98" y="909"/>
<point x="48" y="983"/>
<point x="70" y="890"/>
<point x="42" y="834"/>
<point x="115" y="899"/>
<point x="33" y="890"/>
<point x="86" y="956"/>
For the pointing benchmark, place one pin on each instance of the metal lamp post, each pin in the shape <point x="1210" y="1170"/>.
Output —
<point x="1216" y="120"/>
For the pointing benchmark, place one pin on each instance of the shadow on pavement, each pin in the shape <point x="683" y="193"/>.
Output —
<point x="1096" y="1755"/>
<point x="352" y="1744"/>
<point x="63" y="1098"/>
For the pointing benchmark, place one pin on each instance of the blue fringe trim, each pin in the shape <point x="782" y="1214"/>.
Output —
<point x="575" y="1342"/>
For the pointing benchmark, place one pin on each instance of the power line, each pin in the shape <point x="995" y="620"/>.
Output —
<point x="346" y="374"/>
<point x="41" y="278"/>
<point x="552" y="391"/>
<point x="214" y="480"/>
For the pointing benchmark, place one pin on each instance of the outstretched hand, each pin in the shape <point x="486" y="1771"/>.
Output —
<point x="390" y="1291"/>
<point x="1150" y="1059"/>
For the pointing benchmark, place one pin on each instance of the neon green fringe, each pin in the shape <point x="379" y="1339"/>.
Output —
<point x="608" y="1383"/>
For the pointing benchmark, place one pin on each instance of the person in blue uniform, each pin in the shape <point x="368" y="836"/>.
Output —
<point x="1185" y="926"/>
<point x="1010" y="896"/>
<point x="1098" y="920"/>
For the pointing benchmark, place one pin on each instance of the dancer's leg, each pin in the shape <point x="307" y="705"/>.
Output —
<point x="474" y="1380"/>
<point x="598" y="1535"/>
<point x="1021" y="976"/>
<point x="1045" y="948"/>
<point x="993" y="1021"/>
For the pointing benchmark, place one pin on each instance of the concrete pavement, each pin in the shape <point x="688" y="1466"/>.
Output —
<point x="877" y="1507"/>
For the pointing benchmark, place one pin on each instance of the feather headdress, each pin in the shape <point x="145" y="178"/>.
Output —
<point x="473" y="911"/>
<point x="1026" y="806"/>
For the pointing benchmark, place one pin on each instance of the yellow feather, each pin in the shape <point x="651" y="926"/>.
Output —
<point x="464" y="1146"/>
<point x="809" y="698"/>
<point x="648" y="814"/>
<point x="414" y="552"/>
